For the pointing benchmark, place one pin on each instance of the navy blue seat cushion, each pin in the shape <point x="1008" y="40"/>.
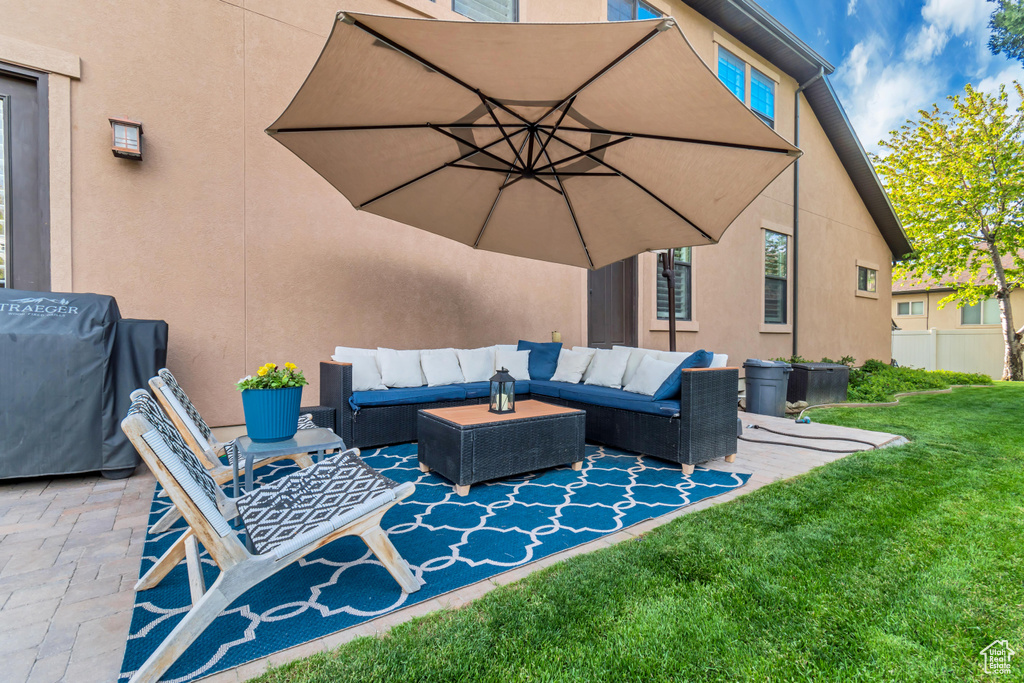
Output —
<point x="617" y="398"/>
<point x="400" y="397"/>
<point x="543" y="358"/>
<point x="483" y="389"/>
<point x="669" y="389"/>
<point x="548" y="388"/>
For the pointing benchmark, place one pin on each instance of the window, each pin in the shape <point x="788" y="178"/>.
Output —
<point x="733" y="72"/>
<point x="625" y="10"/>
<point x="487" y="10"/>
<point x="983" y="313"/>
<point x="867" y="279"/>
<point x="683" y="290"/>
<point x="762" y="96"/>
<point x="776" y="267"/>
<point x="910" y="308"/>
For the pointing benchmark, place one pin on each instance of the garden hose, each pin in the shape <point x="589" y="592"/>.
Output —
<point x="870" y="445"/>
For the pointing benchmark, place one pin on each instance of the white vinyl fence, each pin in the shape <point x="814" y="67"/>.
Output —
<point x="956" y="350"/>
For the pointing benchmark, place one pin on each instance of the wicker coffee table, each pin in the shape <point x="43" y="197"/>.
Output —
<point x="470" y="444"/>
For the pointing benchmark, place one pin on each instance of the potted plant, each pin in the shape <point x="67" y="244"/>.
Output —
<point x="271" y="400"/>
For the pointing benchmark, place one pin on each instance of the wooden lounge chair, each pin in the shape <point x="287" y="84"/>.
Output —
<point x="200" y="439"/>
<point x="286" y="519"/>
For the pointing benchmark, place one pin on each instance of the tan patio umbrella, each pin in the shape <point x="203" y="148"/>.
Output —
<point x="574" y="143"/>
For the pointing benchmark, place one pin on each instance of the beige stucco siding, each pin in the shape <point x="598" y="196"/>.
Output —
<point x="250" y="256"/>
<point x="948" y="317"/>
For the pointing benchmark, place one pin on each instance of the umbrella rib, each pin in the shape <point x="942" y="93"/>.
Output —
<point x="558" y="123"/>
<point x="396" y="126"/>
<point x="640" y="186"/>
<point x="415" y="57"/>
<point x="476" y="147"/>
<point x="668" y="138"/>
<point x="490" y="213"/>
<point x="504" y="135"/>
<point x="452" y="164"/>
<point x="615" y="62"/>
<point x="581" y="154"/>
<point x="421" y="177"/>
<point x="575" y="223"/>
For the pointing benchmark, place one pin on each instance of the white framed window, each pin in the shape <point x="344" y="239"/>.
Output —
<point x="625" y="10"/>
<point x="867" y="279"/>
<point x="776" y="278"/>
<point x="682" y="260"/>
<point x="751" y="81"/>
<point x="762" y="96"/>
<point x="910" y="308"/>
<point x="983" y="313"/>
<point x="487" y="10"/>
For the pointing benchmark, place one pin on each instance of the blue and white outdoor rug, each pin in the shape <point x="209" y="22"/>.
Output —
<point x="449" y="541"/>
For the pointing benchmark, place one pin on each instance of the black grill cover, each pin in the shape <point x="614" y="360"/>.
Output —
<point x="68" y="363"/>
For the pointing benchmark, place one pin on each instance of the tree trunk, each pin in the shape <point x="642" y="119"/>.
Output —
<point x="1013" y="349"/>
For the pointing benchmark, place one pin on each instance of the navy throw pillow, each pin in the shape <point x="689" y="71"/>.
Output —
<point x="543" y="358"/>
<point x="669" y="389"/>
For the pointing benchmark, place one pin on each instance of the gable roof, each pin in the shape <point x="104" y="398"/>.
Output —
<point x="761" y="32"/>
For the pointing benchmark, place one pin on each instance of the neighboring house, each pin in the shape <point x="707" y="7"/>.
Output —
<point x="963" y="339"/>
<point x="251" y="257"/>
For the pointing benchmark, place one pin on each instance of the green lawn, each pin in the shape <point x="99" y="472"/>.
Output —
<point x="900" y="565"/>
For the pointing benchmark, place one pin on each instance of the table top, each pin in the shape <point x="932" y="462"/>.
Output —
<point x="304" y="441"/>
<point x="479" y="414"/>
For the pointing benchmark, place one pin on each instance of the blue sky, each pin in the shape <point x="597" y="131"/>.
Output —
<point x="894" y="57"/>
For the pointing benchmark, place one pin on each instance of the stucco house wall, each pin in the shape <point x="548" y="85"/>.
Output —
<point x="250" y="256"/>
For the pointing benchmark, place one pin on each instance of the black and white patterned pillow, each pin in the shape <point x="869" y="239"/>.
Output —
<point x="145" y="405"/>
<point x="183" y="399"/>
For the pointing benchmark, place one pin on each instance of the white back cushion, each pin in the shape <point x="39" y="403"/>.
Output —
<point x="720" y="360"/>
<point x="571" y="366"/>
<point x="651" y="374"/>
<point x="516" y="362"/>
<point x="477" y="364"/>
<point x="441" y="367"/>
<point x="607" y="368"/>
<point x="676" y="357"/>
<point x="635" y="357"/>
<point x="365" y="372"/>
<point x="400" y="368"/>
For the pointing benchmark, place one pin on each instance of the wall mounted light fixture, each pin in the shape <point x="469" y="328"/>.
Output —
<point x="126" y="139"/>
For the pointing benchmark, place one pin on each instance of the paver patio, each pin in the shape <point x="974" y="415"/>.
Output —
<point x="70" y="550"/>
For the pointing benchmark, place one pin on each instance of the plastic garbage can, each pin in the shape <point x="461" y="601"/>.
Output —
<point x="767" y="382"/>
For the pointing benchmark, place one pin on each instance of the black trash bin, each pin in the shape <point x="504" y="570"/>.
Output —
<point x="818" y="383"/>
<point x="68" y="363"/>
<point x="766" y="382"/>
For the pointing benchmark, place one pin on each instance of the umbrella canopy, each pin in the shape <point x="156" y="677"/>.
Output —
<point x="580" y="144"/>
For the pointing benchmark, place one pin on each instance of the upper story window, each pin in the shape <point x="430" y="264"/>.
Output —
<point x="751" y="86"/>
<point x="982" y="313"/>
<point x="776" y="277"/>
<point x="626" y="10"/>
<point x="867" y="279"/>
<point x="762" y="96"/>
<point x="733" y="72"/>
<point x="487" y="10"/>
<point x="910" y="308"/>
<point x="684" y="291"/>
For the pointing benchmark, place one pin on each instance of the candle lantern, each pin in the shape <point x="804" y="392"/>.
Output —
<point x="503" y="392"/>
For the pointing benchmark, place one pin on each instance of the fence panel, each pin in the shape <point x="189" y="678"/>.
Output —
<point x="956" y="350"/>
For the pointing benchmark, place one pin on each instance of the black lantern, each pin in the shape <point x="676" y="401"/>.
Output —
<point x="503" y="392"/>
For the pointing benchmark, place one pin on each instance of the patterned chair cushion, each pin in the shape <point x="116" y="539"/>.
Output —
<point x="318" y="499"/>
<point x="144" y="404"/>
<point x="183" y="399"/>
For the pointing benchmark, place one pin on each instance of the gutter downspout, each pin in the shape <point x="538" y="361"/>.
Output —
<point x="796" y="201"/>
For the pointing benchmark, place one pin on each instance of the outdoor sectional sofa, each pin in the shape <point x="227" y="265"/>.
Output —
<point x="698" y="427"/>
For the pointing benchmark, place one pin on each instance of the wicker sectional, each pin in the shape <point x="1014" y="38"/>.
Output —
<point x="704" y="429"/>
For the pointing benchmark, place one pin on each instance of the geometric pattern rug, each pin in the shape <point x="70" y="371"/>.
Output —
<point x="449" y="541"/>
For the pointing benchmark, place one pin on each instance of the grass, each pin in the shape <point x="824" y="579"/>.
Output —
<point x="893" y="565"/>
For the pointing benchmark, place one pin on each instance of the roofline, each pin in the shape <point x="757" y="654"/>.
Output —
<point x="926" y="290"/>
<point x="749" y="23"/>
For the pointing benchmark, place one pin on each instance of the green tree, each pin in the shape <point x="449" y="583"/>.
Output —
<point x="956" y="179"/>
<point x="1007" y="25"/>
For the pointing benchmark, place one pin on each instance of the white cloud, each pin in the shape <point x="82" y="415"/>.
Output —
<point x="1013" y="72"/>
<point x="957" y="16"/>
<point x="851" y="8"/>
<point x="929" y="42"/>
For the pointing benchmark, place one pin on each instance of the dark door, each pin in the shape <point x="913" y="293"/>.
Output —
<point x="611" y="307"/>
<point x="24" y="180"/>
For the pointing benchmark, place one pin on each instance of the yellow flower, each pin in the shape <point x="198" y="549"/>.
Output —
<point x="262" y="372"/>
<point x="290" y="366"/>
<point x="272" y="366"/>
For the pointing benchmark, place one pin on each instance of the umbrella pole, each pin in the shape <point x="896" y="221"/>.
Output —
<point x="669" y="271"/>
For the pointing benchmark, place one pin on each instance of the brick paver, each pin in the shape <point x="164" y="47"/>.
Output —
<point x="70" y="549"/>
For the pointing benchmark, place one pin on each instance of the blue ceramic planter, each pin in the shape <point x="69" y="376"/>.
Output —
<point x="271" y="414"/>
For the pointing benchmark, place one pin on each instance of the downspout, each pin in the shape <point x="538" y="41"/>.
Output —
<point x="796" y="201"/>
